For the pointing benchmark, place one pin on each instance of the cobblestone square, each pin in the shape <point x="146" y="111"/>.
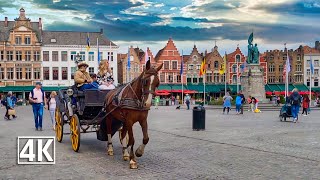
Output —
<point x="249" y="146"/>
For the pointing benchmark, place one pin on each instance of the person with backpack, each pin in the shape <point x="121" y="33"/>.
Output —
<point x="38" y="100"/>
<point x="243" y="101"/>
<point x="9" y="106"/>
<point x="295" y="101"/>
<point x="238" y="103"/>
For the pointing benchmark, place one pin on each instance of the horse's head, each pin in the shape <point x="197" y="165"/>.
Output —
<point x="150" y="81"/>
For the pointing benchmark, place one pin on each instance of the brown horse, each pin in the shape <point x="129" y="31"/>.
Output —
<point x="131" y="104"/>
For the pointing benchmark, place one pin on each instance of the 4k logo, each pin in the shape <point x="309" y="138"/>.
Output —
<point x="36" y="150"/>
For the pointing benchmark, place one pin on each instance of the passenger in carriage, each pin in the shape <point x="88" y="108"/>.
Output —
<point x="105" y="78"/>
<point x="82" y="78"/>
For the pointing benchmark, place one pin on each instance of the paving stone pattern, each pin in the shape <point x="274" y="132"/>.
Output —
<point x="249" y="146"/>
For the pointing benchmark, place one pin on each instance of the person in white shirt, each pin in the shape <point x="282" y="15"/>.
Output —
<point x="52" y="103"/>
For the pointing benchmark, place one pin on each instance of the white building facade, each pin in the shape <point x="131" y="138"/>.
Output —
<point x="315" y="58"/>
<point x="60" y="51"/>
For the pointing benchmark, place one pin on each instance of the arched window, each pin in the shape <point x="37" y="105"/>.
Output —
<point x="234" y="68"/>
<point x="238" y="58"/>
<point x="234" y="79"/>
<point x="216" y="64"/>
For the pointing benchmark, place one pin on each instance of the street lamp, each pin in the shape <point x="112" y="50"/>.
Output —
<point x="78" y="59"/>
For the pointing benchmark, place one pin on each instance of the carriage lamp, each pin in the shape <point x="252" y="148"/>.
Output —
<point x="69" y="92"/>
<point x="78" y="58"/>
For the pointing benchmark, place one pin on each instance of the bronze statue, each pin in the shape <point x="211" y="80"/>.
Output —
<point x="253" y="51"/>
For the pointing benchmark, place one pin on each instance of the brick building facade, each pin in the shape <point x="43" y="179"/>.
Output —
<point x="213" y="63"/>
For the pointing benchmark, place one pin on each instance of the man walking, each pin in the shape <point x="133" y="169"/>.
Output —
<point x="243" y="100"/>
<point x="187" y="100"/>
<point x="38" y="100"/>
<point x="295" y="101"/>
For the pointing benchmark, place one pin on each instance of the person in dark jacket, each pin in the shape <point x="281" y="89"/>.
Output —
<point x="9" y="105"/>
<point x="243" y="101"/>
<point x="295" y="101"/>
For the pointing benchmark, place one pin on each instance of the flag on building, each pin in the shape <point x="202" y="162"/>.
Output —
<point x="99" y="58"/>
<point x="88" y="42"/>
<point x="128" y="63"/>
<point x="181" y="67"/>
<point x="203" y="67"/>
<point x="222" y="69"/>
<point x="311" y="66"/>
<point x="288" y="68"/>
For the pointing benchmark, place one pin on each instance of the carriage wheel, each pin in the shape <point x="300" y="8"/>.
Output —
<point x="58" y="125"/>
<point x="75" y="132"/>
<point x="120" y="137"/>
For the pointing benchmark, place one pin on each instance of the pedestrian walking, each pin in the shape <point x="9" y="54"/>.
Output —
<point x="227" y="102"/>
<point x="187" y="100"/>
<point x="238" y="103"/>
<point x="295" y="101"/>
<point x="278" y="100"/>
<point x="243" y="101"/>
<point x="305" y="104"/>
<point x="38" y="100"/>
<point x="9" y="107"/>
<point x="156" y="101"/>
<point x="52" y="105"/>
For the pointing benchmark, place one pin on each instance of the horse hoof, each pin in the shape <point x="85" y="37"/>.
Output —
<point x="138" y="154"/>
<point x="110" y="153"/>
<point x="126" y="158"/>
<point x="133" y="165"/>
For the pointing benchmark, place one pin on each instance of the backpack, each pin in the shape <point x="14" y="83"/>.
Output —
<point x="4" y="102"/>
<point x="32" y="94"/>
<point x="296" y="100"/>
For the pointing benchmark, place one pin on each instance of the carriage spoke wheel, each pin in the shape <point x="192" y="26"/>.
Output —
<point x="58" y="125"/>
<point x="75" y="132"/>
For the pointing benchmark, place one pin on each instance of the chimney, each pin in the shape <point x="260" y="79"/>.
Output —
<point x="317" y="45"/>
<point x="40" y="24"/>
<point x="101" y="31"/>
<point x="5" y="21"/>
<point x="205" y="52"/>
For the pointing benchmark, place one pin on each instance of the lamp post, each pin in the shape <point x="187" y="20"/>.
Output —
<point x="78" y="58"/>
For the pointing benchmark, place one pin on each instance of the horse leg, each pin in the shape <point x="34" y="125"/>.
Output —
<point x="144" y="127"/>
<point x="109" y="132"/>
<point x="133" y="162"/>
<point x="124" y="142"/>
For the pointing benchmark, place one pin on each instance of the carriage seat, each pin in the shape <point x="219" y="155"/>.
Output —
<point x="95" y="97"/>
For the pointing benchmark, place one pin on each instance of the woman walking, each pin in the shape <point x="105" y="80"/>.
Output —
<point x="9" y="106"/>
<point x="305" y="104"/>
<point x="52" y="103"/>
<point x="227" y="102"/>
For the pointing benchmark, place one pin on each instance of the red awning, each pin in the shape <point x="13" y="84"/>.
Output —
<point x="162" y="93"/>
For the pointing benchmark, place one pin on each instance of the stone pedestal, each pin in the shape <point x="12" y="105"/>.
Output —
<point x="252" y="82"/>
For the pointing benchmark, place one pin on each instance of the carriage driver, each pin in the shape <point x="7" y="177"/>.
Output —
<point x="82" y="78"/>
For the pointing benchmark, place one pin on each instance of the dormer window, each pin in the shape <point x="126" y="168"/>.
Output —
<point x="18" y="40"/>
<point x="53" y="40"/>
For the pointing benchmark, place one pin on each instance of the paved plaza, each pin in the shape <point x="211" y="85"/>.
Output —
<point x="249" y="146"/>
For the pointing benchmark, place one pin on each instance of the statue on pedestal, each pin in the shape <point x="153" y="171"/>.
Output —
<point x="253" y="51"/>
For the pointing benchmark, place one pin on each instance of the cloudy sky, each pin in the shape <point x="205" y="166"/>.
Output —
<point x="143" y="23"/>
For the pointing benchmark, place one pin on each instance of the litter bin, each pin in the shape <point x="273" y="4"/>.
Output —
<point x="199" y="118"/>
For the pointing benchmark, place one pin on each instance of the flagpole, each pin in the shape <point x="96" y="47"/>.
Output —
<point x="182" y="78"/>
<point x="204" y="89"/>
<point x="237" y="76"/>
<point x="311" y="65"/>
<point x="287" y="74"/>
<point x="225" y="73"/>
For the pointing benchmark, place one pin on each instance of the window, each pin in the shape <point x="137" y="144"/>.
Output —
<point x="308" y="82"/>
<point x="10" y="72"/>
<point x="170" y="78"/>
<point x="194" y="80"/>
<point x="37" y="57"/>
<point x="238" y="58"/>
<point x="316" y="63"/>
<point x="64" y="73"/>
<point x="73" y="55"/>
<point x="18" y="56"/>
<point x="18" y="40"/>
<point x="316" y="72"/>
<point x="216" y="64"/>
<point x="308" y="72"/>
<point x="1" y="55"/>
<point x="136" y="68"/>
<point x="271" y="79"/>
<point x="162" y="77"/>
<point x="46" y="73"/>
<point x="298" y="67"/>
<point x="223" y="78"/>
<point x="308" y="63"/>
<point x="271" y="57"/>
<point x="190" y="67"/>
<point x="101" y="56"/>
<point x="64" y="56"/>
<point x="188" y="80"/>
<point x="298" y="78"/>
<point x="91" y="70"/>
<point x="91" y="56"/>
<point x="284" y="57"/>
<point x="198" y="66"/>
<point x="36" y="72"/>
<point x="27" y="40"/>
<point x="110" y="56"/>
<point x="1" y="73"/>
<point x="234" y="79"/>
<point x="216" y="77"/>
<point x="166" y="65"/>
<point x="73" y="70"/>
<point x="83" y="56"/>
<point x="18" y="73"/>
<point x="280" y="68"/>
<point x="174" y="65"/>
<point x="178" y="79"/>
<point x="234" y="68"/>
<point x="200" y="80"/>
<point x="9" y="55"/>
<point x="28" y="56"/>
<point x="209" y="77"/>
<point x="271" y="67"/>
<point x="209" y="66"/>
<point x="55" y="56"/>
<point x="28" y="73"/>
<point x="45" y="55"/>
<point x="281" y="79"/>
<point x="298" y="58"/>
<point x="55" y="73"/>
<point x="315" y="82"/>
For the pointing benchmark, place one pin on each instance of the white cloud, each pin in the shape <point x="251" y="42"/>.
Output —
<point x="173" y="8"/>
<point x="159" y="5"/>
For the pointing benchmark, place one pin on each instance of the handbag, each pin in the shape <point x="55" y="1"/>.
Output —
<point x="11" y="112"/>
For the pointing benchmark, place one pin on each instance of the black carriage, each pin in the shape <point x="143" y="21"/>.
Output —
<point x="84" y="112"/>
